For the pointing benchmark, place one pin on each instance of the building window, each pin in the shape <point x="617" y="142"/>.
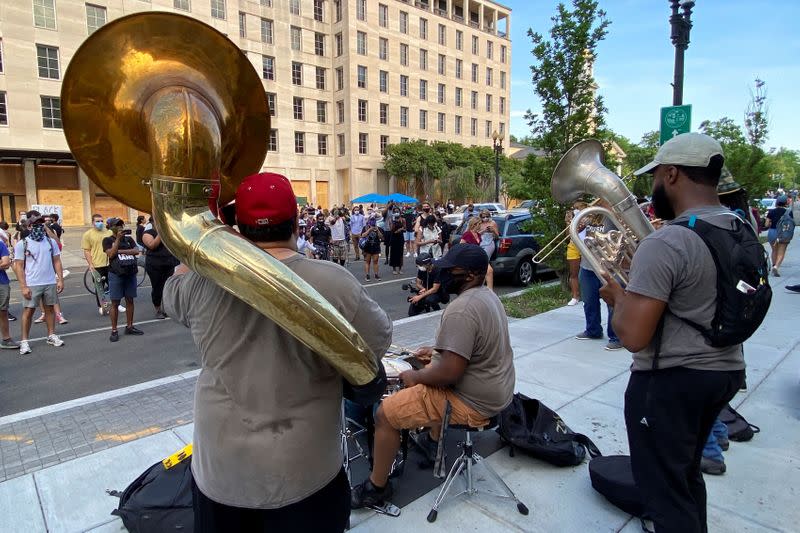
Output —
<point x="488" y="128"/>
<point x="442" y="35"/>
<point x="362" y="77"/>
<point x="423" y="119"/>
<point x="339" y="78"/>
<point x="268" y="67"/>
<point x="473" y="127"/>
<point x="475" y="50"/>
<point x="340" y="112"/>
<point x="218" y="9"/>
<point x="322" y="144"/>
<point x="361" y="43"/>
<point x="339" y="44"/>
<point x="441" y="93"/>
<point x="361" y="9"/>
<point x="383" y="48"/>
<point x="384" y="143"/>
<point x="340" y="142"/>
<point x="319" y="44"/>
<point x="442" y="64"/>
<point x="267" y="3"/>
<point x="242" y="25"/>
<point x="322" y="111"/>
<point x="503" y="52"/>
<point x="272" y="103"/>
<point x="363" y="143"/>
<point x="474" y="73"/>
<point x="384" y="113"/>
<point x="1" y="55"/>
<point x="403" y="85"/>
<point x="423" y="28"/>
<point x="297" y="38"/>
<point x="383" y="15"/>
<point x="423" y="59"/>
<point x="266" y="31"/>
<point x="423" y="89"/>
<point x="403" y="117"/>
<point x="459" y="69"/>
<point x="403" y="140"/>
<point x="459" y="96"/>
<point x="441" y="123"/>
<point x="47" y="59"/>
<point x="502" y="105"/>
<point x="474" y="100"/>
<point x="297" y="73"/>
<point x="299" y="142"/>
<point x="384" y="81"/>
<point x="318" y="11"/>
<point x="337" y="7"/>
<point x="272" y="141"/>
<point x="459" y="40"/>
<point x="489" y="49"/>
<point x="51" y="112"/>
<point x="95" y="17"/>
<point x="502" y="129"/>
<point x="362" y="110"/>
<point x="44" y="14"/>
<point x="297" y="108"/>
<point x="489" y="77"/>
<point x="294" y="7"/>
<point x="488" y="103"/>
<point x="322" y="74"/>
<point x="457" y="125"/>
<point x="404" y="54"/>
<point x="502" y="79"/>
<point x="3" y="109"/>
<point x="182" y="4"/>
<point x="403" y="22"/>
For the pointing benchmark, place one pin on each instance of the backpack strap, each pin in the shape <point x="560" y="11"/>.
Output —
<point x="593" y="450"/>
<point x="659" y="334"/>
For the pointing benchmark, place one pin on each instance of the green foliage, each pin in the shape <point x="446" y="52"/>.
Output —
<point x="637" y="156"/>
<point x="786" y="168"/>
<point x="540" y="298"/>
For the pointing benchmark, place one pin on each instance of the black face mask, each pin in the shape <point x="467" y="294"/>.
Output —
<point x="452" y="283"/>
<point x="661" y="205"/>
<point x="320" y="222"/>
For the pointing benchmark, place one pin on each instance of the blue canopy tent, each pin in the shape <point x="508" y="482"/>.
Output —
<point x="371" y="198"/>
<point x="402" y="198"/>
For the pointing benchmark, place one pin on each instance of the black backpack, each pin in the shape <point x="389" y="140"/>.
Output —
<point x="739" y="429"/>
<point x="612" y="476"/>
<point x="529" y="425"/>
<point x="743" y="291"/>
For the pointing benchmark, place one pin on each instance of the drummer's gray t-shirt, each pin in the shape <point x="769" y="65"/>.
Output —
<point x="267" y="409"/>
<point x="674" y="265"/>
<point x="475" y="326"/>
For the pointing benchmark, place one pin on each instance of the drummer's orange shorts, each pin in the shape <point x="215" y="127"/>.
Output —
<point x="422" y="405"/>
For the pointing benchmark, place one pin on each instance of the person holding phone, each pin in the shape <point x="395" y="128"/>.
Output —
<point x="121" y="250"/>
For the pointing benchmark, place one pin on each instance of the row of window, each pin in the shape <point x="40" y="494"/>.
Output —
<point x="51" y="111"/>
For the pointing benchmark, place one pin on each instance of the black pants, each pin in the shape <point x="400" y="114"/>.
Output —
<point x="430" y="303"/>
<point x="103" y="271"/>
<point x="158" y="274"/>
<point x="325" y="511"/>
<point x="669" y="414"/>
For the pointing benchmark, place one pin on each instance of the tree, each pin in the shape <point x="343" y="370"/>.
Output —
<point x="417" y="163"/>
<point x="637" y="156"/>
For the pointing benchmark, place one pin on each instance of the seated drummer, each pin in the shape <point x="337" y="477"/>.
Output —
<point x="472" y="368"/>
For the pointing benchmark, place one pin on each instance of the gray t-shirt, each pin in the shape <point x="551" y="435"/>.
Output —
<point x="267" y="409"/>
<point x="475" y="327"/>
<point x="675" y="266"/>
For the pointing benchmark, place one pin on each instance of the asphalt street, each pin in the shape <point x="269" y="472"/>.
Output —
<point x="89" y="364"/>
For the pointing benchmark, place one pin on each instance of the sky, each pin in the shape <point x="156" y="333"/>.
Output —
<point x="732" y="43"/>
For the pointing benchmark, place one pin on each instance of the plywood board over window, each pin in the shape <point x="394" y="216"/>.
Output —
<point x="71" y="202"/>
<point x="322" y="193"/>
<point x="302" y="188"/>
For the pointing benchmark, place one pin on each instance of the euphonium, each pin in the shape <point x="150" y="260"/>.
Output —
<point x="167" y="115"/>
<point x="580" y="171"/>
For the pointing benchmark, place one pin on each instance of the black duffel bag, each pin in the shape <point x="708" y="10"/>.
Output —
<point x="529" y="425"/>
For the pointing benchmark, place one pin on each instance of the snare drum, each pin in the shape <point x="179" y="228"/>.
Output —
<point x="393" y="369"/>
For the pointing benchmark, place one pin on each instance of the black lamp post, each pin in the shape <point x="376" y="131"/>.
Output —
<point x="497" y="146"/>
<point x="681" y="26"/>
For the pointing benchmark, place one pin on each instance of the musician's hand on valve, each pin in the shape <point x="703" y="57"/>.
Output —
<point x="409" y="378"/>
<point x="612" y="290"/>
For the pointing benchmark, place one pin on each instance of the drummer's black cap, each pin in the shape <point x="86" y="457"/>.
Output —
<point x="467" y="256"/>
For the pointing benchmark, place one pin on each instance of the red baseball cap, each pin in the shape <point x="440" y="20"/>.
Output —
<point x="265" y="199"/>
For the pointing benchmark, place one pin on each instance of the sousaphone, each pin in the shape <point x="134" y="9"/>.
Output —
<point x="167" y="115"/>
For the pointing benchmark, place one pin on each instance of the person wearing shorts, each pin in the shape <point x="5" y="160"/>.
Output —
<point x="6" y="342"/>
<point x="121" y="250"/>
<point x="472" y="367"/>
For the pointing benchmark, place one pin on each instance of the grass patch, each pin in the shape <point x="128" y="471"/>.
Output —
<point x="539" y="298"/>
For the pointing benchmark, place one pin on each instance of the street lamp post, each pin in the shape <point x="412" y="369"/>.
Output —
<point x="497" y="146"/>
<point x="681" y="26"/>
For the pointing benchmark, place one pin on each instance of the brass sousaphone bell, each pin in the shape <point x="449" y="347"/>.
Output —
<point x="167" y="115"/>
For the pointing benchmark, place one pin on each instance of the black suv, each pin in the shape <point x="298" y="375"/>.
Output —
<point x="514" y="249"/>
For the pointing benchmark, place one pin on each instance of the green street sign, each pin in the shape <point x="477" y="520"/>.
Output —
<point x="675" y="120"/>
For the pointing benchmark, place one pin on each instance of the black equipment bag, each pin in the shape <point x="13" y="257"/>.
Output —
<point x="159" y="500"/>
<point x="739" y="429"/>
<point x="612" y="477"/>
<point x="743" y="291"/>
<point x="531" y="426"/>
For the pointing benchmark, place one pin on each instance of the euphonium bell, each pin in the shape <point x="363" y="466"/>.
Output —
<point x="167" y="115"/>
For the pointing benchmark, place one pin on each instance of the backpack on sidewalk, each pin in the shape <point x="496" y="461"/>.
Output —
<point x="739" y="429"/>
<point x="785" y="228"/>
<point x="612" y="476"/>
<point x="529" y="425"/>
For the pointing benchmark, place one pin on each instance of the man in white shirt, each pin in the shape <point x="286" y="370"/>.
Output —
<point x="338" y="238"/>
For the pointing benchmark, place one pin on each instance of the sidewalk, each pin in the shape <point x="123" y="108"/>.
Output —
<point x="58" y="461"/>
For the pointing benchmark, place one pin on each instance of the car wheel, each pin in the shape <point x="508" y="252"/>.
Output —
<point x="523" y="274"/>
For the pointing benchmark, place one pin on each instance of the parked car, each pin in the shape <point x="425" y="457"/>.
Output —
<point x="767" y="203"/>
<point x="457" y="217"/>
<point x="523" y="207"/>
<point x="514" y="250"/>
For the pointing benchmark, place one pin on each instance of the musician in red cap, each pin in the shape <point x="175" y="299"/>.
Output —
<point x="267" y="455"/>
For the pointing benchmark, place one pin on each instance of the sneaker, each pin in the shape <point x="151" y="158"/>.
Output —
<point x="368" y="495"/>
<point x="408" y="254"/>
<point x="40" y="319"/>
<point x="795" y="289"/>
<point x="8" y="344"/>
<point x="415" y="255"/>
<point x="572" y="302"/>
<point x="133" y="330"/>
<point x="161" y="315"/>
<point x="583" y="336"/>
<point x="121" y="308"/>
<point x="614" y="346"/>
<point x="712" y="467"/>
<point x="775" y="272"/>
<point x="11" y="318"/>
<point x="114" y="337"/>
<point x="366" y="278"/>
<point x="61" y="319"/>
<point x="24" y="347"/>
<point x="55" y="340"/>
<point x="377" y="277"/>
